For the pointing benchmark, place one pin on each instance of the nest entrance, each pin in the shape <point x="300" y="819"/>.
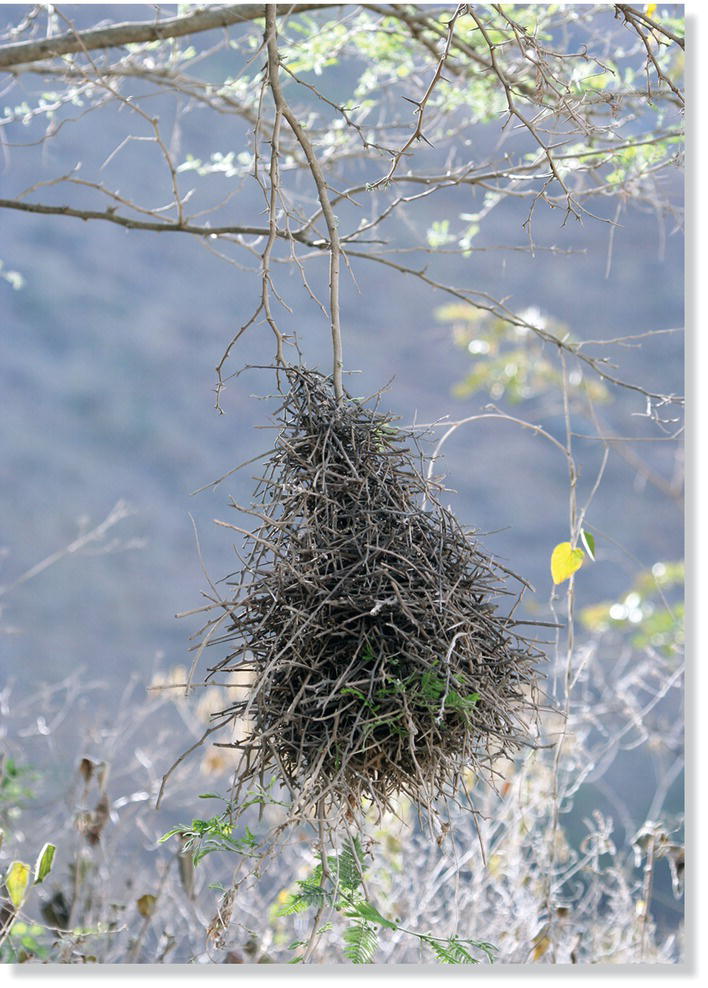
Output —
<point x="367" y="618"/>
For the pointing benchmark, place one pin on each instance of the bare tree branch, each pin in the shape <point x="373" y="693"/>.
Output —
<point x="632" y="12"/>
<point x="420" y="104"/>
<point x="156" y="226"/>
<point x="323" y="195"/>
<point x="131" y="33"/>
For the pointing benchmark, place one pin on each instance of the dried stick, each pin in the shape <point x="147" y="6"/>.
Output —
<point x="303" y="140"/>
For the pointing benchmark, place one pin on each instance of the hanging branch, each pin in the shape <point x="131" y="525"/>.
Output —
<point x="281" y="107"/>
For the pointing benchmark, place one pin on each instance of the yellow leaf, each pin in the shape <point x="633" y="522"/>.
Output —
<point x="146" y="905"/>
<point x="650" y="9"/>
<point x="16" y="882"/>
<point x="565" y="560"/>
<point x="495" y="865"/>
<point x="541" y="943"/>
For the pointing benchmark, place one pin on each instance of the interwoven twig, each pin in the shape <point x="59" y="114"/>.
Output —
<point x="379" y="662"/>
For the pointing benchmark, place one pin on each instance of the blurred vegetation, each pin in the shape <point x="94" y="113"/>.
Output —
<point x="510" y="879"/>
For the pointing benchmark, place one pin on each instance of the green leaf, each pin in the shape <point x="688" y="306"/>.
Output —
<point x="588" y="540"/>
<point x="366" y="911"/>
<point x="348" y="864"/>
<point x="170" y="833"/>
<point x="360" y="943"/>
<point x="565" y="560"/>
<point x="308" y="895"/>
<point x="44" y="862"/>
<point x="16" y="881"/>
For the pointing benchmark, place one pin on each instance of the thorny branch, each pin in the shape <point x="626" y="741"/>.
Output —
<point x="498" y="48"/>
<point x="421" y="104"/>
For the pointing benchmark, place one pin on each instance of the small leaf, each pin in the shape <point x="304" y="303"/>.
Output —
<point x="44" y="862"/>
<point x="366" y="911"/>
<point x="170" y="833"/>
<point x="565" y="560"/>
<point x="360" y="943"/>
<point x="588" y="540"/>
<point x="146" y="905"/>
<point x="17" y="880"/>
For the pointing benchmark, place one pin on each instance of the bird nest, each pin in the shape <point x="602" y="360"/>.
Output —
<point x="366" y="618"/>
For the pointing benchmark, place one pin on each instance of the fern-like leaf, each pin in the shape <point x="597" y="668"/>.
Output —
<point x="308" y="895"/>
<point x="360" y="943"/>
<point x="350" y="864"/>
<point x="450" y="951"/>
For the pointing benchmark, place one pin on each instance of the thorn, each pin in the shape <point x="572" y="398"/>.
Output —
<point x="422" y="137"/>
<point x="415" y="102"/>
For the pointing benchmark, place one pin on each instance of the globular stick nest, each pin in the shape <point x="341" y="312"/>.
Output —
<point x="367" y="619"/>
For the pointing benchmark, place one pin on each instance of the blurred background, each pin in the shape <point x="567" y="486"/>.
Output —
<point x="108" y="343"/>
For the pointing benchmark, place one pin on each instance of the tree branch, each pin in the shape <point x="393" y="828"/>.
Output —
<point x="131" y="33"/>
<point x="156" y="226"/>
<point x="420" y="105"/>
<point x="632" y="12"/>
<point x="330" y="219"/>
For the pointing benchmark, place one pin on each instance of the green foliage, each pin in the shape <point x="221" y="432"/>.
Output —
<point x="24" y="941"/>
<point x="230" y="164"/>
<point x="14" y="786"/>
<point x="308" y="894"/>
<point x="348" y="865"/>
<point x="456" y="951"/>
<point x="216" y="833"/>
<point x="511" y="362"/>
<point x="20" y="940"/>
<point x="364" y="910"/>
<point x="588" y="540"/>
<point x="203" y="837"/>
<point x="439" y="234"/>
<point x="341" y="889"/>
<point x="634" y="163"/>
<point x="436" y="692"/>
<point x="44" y="862"/>
<point x="434" y="688"/>
<point x="360" y="943"/>
<point x="317" y="46"/>
<point x="649" y="611"/>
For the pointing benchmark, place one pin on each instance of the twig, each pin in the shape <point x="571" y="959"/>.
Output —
<point x="421" y="104"/>
<point x="319" y="180"/>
